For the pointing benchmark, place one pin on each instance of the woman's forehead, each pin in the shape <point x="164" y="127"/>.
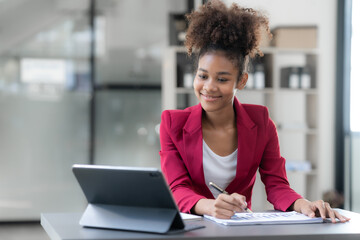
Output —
<point x="216" y="59"/>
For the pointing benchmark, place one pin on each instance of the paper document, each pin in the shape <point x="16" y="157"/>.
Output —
<point x="266" y="218"/>
<point x="187" y="216"/>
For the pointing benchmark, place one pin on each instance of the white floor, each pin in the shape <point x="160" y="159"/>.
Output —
<point x="22" y="231"/>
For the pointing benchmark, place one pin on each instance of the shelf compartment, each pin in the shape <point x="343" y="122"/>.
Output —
<point x="182" y="90"/>
<point x="185" y="100"/>
<point x="266" y="63"/>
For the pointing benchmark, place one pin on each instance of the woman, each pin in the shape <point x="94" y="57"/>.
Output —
<point x="220" y="139"/>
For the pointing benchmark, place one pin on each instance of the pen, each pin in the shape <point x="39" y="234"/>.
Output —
<point x="225" y="192"/>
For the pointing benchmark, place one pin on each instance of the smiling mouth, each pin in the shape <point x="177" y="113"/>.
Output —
<point x="210" y="98"/>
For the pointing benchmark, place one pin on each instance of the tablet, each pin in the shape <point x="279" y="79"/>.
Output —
<point x="128" y="198"/>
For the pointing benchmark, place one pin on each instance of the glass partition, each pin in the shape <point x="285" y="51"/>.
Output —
<point x="44" y="95"/>
<point x="354" y="108"/>
<point x="127" y="125"/>
<point x="128" y="80"/>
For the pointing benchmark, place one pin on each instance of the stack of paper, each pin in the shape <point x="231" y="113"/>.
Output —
<point x="266" y="218"/>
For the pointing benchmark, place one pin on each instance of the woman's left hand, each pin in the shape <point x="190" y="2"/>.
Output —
<point x="318" y="208"/>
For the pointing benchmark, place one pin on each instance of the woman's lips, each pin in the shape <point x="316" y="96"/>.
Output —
<point x="210" y="98"/>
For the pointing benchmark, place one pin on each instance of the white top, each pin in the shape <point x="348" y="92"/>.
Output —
<point x="217" y="169"/>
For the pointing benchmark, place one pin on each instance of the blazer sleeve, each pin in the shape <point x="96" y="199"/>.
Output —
<point x="273" y="172"/>
<point x="174" y="168"/>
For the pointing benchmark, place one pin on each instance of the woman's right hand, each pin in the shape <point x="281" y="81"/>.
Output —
<point x="224" y="206"/>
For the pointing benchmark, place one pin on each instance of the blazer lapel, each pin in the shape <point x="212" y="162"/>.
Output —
<point x="247" y="135"/>
<point x="193" y="147"/>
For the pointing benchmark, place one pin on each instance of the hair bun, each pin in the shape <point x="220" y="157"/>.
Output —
<point x="235" y="28"/>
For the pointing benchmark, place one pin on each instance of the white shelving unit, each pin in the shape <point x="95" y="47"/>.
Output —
<point x="294" y="111"/>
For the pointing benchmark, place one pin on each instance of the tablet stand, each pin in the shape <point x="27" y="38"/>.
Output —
<point x="156" y="220"/>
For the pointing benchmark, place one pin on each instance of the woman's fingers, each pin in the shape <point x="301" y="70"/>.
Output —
<point x="324" y="210"/>
<point x="305" y="207"/>
<point x="330" y="212"/>
<point x="226" y="205"/>
<point x="309" y="211"/>
<point x="341" y="217"/>
<point x="320" y="204"/>
<point x="333" y="214"/>
<point x="223" y="209"/>
<point x="222" y="213"/>
<point x="229" y="202"/>
<point x="240" y="199"/>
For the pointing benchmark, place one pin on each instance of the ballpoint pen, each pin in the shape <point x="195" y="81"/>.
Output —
<point x="225" y="192"/>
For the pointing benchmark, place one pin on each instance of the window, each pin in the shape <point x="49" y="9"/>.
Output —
<point x="355" y="71"/>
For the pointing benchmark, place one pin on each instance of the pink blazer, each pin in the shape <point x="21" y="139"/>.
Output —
<point x="258" y="148"/>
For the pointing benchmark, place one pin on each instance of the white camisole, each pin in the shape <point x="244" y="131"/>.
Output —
<point x="217" y="169"/>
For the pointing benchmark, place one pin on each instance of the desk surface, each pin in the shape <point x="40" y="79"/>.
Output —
<point x="66" y="226"/>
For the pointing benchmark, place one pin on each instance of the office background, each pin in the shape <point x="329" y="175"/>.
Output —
<point x="82" y="89"/>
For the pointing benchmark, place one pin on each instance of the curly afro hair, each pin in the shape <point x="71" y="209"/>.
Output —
<point x="235" y="30"/>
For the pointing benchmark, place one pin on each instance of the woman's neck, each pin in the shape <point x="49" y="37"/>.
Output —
<point x="217" y="120"/>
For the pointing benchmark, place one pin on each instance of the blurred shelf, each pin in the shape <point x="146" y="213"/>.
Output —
<point x="275" y="50"/>
<point x="312" y="172"/>
<point x="183" y="90"/>
<point x="263" y="90"/>
<point x="309" y="131"/>
<point x="310" y="91"/>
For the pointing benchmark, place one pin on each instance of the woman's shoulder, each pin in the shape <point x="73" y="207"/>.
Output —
<point x="178" y="112"/>
<point x="177" y="116"/>
<point x="257" y="113"/>
<point x="254" y="108"/>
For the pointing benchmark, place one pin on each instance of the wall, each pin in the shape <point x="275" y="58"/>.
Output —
<point x="355" y="177"/>
<point x="323" y="14"/>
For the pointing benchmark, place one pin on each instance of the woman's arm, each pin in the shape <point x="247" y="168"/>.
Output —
<point x="174" y="168"/>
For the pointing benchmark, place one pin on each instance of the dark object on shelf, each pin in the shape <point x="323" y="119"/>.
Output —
<point x="260" y="72"/>
<point x="184" y="64"/>
<point x="177" y="29"/>
<point x="334" y="198"/>
<point x="259" y="76"/>
<point x="188" y="76"/>
<point x="305" y="78"/>
<point x="290" y="77"/>
<point x="296" y="77"/>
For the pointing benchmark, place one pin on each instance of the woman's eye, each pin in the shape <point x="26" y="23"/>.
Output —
<point x="222" y="80"/>
<point x="201" y="76"/>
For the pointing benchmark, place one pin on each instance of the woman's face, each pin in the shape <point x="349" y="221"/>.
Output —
<point x="216" y="82"/>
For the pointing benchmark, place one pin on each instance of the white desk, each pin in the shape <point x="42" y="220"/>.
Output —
<point x="65" y="226"/>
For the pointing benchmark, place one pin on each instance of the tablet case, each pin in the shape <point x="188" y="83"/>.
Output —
<point x="128" y="198"/>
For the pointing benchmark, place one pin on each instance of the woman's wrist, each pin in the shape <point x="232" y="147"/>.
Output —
<point x="203" y="206"/>
<point x="298" y="204"/>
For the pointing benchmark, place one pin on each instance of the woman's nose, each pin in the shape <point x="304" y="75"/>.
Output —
<point x="210" y="85"/>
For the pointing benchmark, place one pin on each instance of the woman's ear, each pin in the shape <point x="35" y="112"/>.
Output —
<point x="242" y="82"/>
